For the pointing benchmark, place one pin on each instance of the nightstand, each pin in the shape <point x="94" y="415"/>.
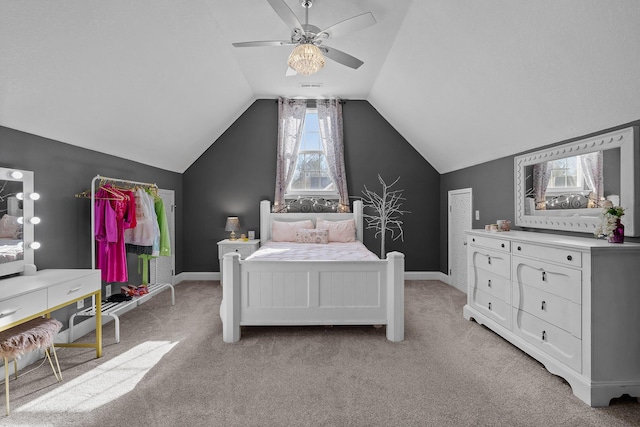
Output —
<point x="244" y="248"/>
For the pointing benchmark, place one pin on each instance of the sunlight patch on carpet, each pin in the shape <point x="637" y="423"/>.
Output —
<point x="103" y="384"/>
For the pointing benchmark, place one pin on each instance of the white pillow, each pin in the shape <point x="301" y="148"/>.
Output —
<point x="285" y="231"/>
<point x="339" y="231"/>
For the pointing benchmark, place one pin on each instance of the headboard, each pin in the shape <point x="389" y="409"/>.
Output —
<point x="266" y="217"/>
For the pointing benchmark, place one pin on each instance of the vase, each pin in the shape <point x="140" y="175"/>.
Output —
<point x="617" y="236"/>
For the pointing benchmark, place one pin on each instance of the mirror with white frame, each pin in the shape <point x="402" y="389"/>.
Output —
<point x="17" y="220"/>
<point x="566" y="187"/>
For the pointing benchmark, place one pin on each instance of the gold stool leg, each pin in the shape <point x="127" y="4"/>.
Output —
<point x="55" y="356"/>
<point x="46" y="352"/>
<point x="6" y="383"/>
<point x="15" y="367"/>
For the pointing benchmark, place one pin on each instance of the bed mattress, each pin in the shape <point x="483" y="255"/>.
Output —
<point x="287" y="251"/>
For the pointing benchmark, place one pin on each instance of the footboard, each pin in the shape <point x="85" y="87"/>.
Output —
<point x="313" y="293"/>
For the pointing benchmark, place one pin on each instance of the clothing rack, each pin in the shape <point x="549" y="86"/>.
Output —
<point x="105" y="180"/>
<point x="113" y="309"/>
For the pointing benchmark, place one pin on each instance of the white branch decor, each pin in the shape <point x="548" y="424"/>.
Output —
<point x="387" y="208"/>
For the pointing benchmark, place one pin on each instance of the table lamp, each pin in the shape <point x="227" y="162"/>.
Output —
<point x="233" y="225"/>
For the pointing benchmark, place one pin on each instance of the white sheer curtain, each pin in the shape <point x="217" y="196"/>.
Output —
<point x="592" y="171"/>
<point x="291" y="114"/>
<point x="541" y="177"/>
<point x="330" y="120"/>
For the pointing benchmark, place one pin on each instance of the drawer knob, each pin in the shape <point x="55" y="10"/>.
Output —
<point x="489" y="260"/>
<point x="502" y="245"/>
<point x="544" y="276"/>
<point x="489" y="306"/>
<point x="489" y="283"/>
<point x="544" y="335"/>
<point x="519" y="248"/>
<point x="569" y="257"/>
<point x="544" y="304"/>
<point x="473" y="240"/>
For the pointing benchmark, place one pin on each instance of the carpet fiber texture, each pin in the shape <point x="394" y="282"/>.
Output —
<point x="172" y="368"/>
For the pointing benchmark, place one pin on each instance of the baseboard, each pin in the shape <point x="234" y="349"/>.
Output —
<point x="205" y="275"/>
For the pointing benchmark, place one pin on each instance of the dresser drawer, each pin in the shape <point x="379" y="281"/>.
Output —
<point x="556" y="310"/>
<point x="490" y="242"/>
<point x="495" y="262"/>
<point x="559" y="255"/>
<point x="243" y="250"/>
<point x="492" y="307"/>
<point x="493" y="284"/>
<point x="20" y="307"/>
<point x="555" y="279"/>
<point x="550" y="339"/>
<point x="68" y="291"/>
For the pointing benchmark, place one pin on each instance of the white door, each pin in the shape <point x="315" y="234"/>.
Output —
<point x="460" y="219"/>
<point x="162" y="268"/>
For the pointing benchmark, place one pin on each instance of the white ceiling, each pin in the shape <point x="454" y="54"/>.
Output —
<point x="157" y="81"/>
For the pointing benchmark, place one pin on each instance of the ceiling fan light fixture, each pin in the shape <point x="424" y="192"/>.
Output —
<point x="306" y="59"/>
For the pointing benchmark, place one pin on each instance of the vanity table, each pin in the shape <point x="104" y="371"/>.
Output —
<point x="569" y="302"/>
<point x="26" y="297"/>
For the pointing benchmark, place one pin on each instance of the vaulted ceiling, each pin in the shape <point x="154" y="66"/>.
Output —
<point x="158" y="81"/>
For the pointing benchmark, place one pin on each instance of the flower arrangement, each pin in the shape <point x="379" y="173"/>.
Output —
<point x="609" y="221"/>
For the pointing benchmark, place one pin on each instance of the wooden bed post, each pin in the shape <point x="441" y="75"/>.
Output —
<point x="231" y="297"/>
<point x="265" y="221"/>
<point x="395" y="296"/>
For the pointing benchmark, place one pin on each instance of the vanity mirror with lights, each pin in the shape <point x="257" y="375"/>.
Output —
<point x="566" y="187"/>
<point x="17" y="220"/>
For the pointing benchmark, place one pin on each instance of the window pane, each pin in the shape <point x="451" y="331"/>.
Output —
<point x="311" y="172"/>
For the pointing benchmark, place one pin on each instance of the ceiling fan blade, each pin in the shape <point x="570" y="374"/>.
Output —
<point x="262" y="43"/>
<point x="341" y="57"/>
<point x="286" y="14"/>
<point x="290" y="72"/>
<point x="350" y="25"/>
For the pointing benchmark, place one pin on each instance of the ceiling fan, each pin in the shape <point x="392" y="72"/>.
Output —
<point x="308" y="55"/>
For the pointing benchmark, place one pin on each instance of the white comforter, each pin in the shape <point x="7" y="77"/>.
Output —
<point x="287" y="251"/>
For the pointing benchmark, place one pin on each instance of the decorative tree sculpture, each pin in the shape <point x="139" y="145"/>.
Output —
<point x="387" y="208"/>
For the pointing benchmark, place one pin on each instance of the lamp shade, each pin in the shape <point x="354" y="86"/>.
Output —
<point x="233" y="224"/>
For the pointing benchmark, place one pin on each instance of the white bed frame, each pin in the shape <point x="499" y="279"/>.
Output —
<point x="260" y="293"/>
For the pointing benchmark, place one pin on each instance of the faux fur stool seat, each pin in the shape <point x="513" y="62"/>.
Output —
<point x="26" y="337"/>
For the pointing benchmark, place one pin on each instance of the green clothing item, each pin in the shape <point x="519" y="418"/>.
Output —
<point x="165" y="242"/>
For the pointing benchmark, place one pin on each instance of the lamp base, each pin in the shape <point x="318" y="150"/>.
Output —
<point x="233" y="236"/>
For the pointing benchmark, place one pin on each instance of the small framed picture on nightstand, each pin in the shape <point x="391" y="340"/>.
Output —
<point x="251" y="234"/>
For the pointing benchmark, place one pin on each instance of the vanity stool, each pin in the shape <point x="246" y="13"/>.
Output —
<point x="23" y="338"/>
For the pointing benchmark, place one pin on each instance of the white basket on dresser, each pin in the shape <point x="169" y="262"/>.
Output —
<point x="572" y="303"/>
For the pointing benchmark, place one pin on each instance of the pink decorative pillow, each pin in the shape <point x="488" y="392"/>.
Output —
<point x="285" y="231"/>
<point x="312" y="236"/>
<point x="10" y="228"/>
<point x="339" y="231"/>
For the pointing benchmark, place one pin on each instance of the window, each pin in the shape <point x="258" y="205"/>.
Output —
<point x="311" y="176"/>
<point x="565" y="175"/>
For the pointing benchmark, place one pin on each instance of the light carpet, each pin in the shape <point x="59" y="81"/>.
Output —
<point x="172" y="368"/>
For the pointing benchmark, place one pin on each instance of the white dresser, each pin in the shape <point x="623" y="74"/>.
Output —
<point x="572" y="303"/>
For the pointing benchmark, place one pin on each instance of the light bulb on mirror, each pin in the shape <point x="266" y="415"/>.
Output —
<point x="34" y="245"/>
<point x="20" y="196"/>
<point x="35" y="220"/>
<point x="16" y="174"/>
<point x="34" y="196"/>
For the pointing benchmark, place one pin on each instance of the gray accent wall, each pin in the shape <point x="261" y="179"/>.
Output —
<point x="238" y="171"/>
<point x="493" y="191"/>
